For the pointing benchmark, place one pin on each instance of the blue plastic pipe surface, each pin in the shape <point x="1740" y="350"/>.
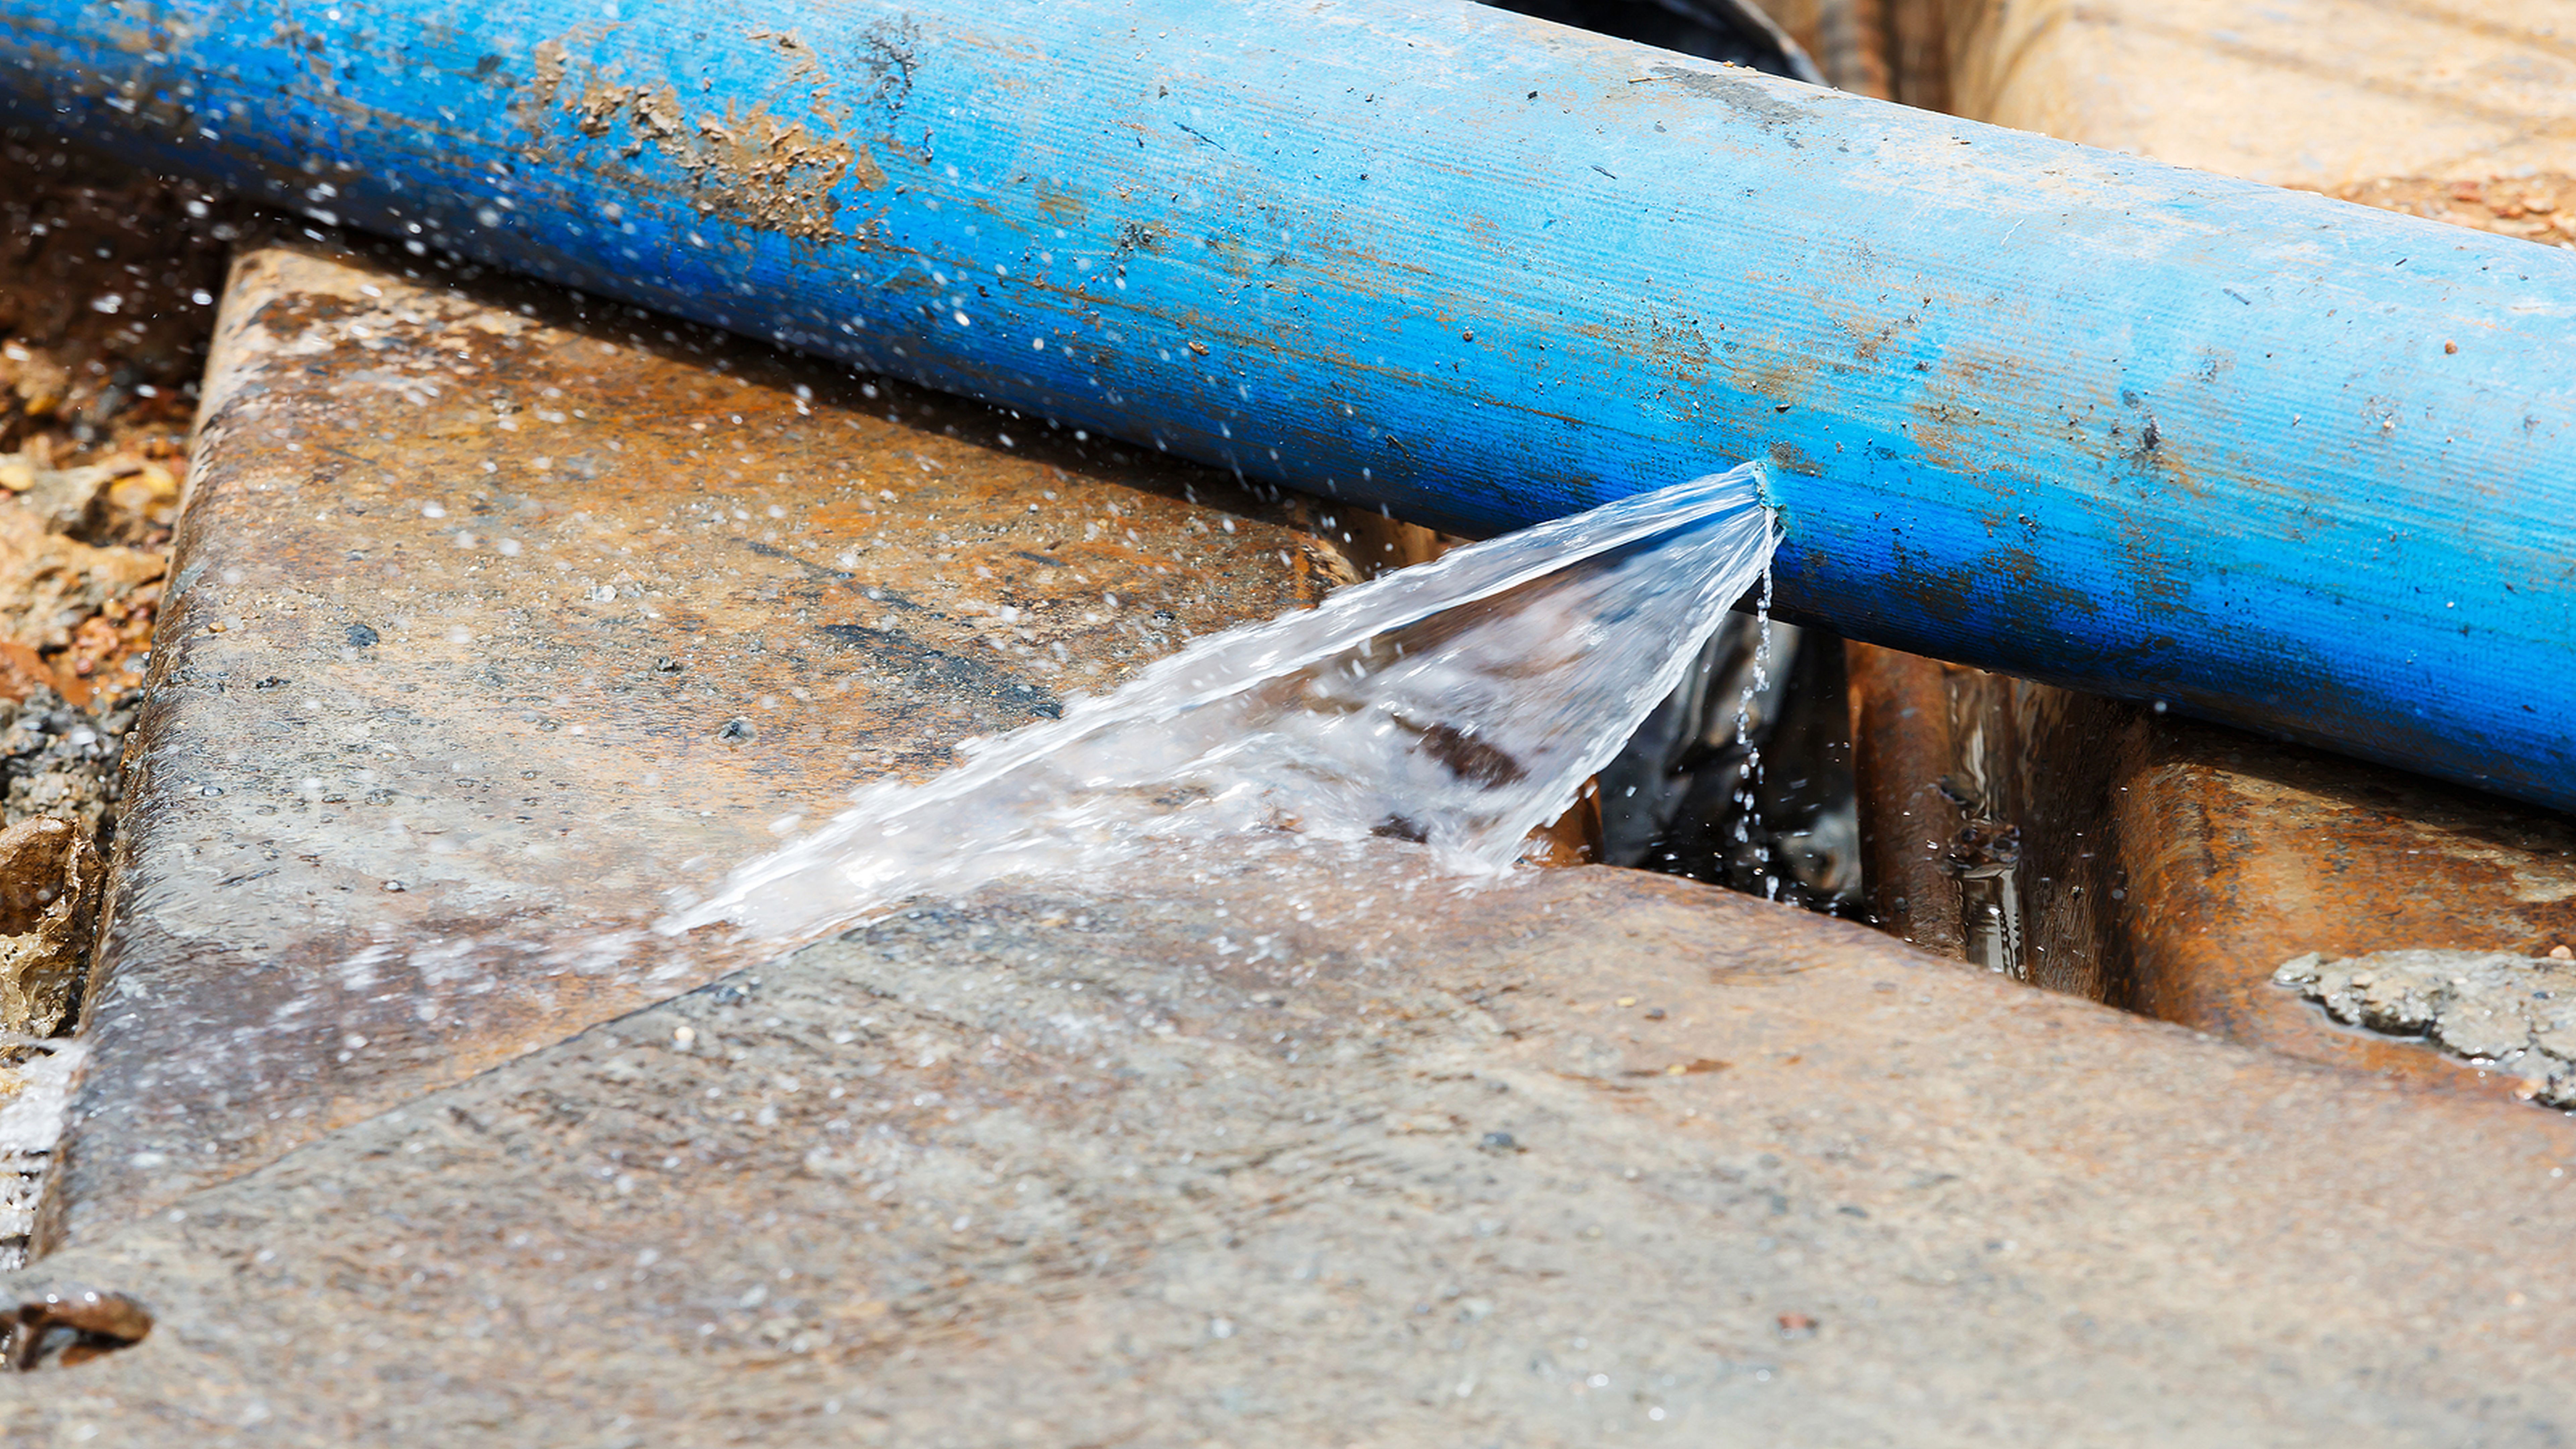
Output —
<point x="2272" y="458"/>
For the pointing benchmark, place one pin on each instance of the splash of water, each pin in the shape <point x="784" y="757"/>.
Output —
<point x="31" y="1123"/>
<point x="1459" y="703"/>
<point x="1749" y="783"/>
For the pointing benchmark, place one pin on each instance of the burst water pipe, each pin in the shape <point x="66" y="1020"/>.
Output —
<point x="2272" y="458"/>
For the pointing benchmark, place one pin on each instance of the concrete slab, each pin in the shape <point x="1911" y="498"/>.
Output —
<point x="1601" y="1157"/>
<point x="494" y="618"/>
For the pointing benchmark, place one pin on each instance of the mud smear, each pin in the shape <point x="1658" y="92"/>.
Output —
<point x="744" y="166"/>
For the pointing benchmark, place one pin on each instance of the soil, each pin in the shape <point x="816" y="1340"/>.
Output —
<point x="108" y="281"/>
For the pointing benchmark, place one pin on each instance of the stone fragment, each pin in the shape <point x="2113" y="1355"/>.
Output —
<point x="60" y="760"/>
<point x="60" y="497"/>
<point x="125" y="496"/>
<point x="67" y="1327"/>
<point x="23" y="672"/>
<point x="76" y="604"/>
<point x="2493" y="1009"/>
<point x="35" y="382"/>
<point x="49" y="884"/>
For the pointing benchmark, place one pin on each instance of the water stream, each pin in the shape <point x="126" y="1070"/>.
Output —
<point x="1459" y="703"/>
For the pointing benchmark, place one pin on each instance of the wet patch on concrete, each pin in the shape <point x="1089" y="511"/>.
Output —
<point x="921" y="666"/>
<point x="2493" y="1009"/>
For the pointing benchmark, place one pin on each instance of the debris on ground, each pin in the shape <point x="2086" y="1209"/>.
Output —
<point x="60" y="761"/>
<point x="108" y="281"/>
<point x="2493" y="1009"/>
<point x="131" y="496"/>
<point x="69" y="609"/>
<point x="50" y="875"/>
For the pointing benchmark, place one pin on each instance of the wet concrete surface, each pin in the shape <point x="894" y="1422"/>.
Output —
<point x="490" y="623"/>
<point x="1600" y="1156"/>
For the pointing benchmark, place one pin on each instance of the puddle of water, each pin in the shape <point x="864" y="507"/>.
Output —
<point x="1460" y="703"/>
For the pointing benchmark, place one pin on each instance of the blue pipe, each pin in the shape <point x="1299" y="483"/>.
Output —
<point x="2271" y="458"/>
